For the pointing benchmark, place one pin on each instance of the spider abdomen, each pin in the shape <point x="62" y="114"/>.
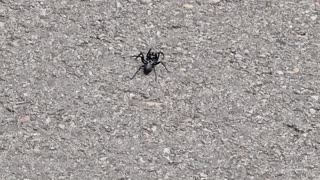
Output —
<point x="147" y="68"/>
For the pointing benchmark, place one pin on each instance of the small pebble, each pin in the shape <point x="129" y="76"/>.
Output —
<point x="141" y="160"/>
<point x="154" y="128"/>
<point x="280" y="72"/>
<point x="24" y="118"/>
<point x="312" y="111"/>
<point x="146" y="1"/>
<point x="131" y="95"/>
<point x="166" y="151"/>
<point x="103" y="158"/>
<point x="150" y="103"/>
<point x="14" y="43"/>
<point x="188" y="6"/>
<point x="2" y="9"/>
<point x="238" y="56"/>
<point x="119" y="5"/>
<point x="203" y="175"/>
<point x="316" y="98"/>
<point x="214" y="1"/>
<point x="61" y="126"/>
<point x="36" y="149"/>
<point x="294" y="71"/>
<point x="313" y="18"/>
<point x="48" y="120"/>
<point x="179" y="49"/>
<point x="1" y="25"/>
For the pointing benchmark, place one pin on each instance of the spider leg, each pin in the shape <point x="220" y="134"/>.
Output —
<point x="138" y="56"/>
<point x="149" y="54"/>
<point x="157" y="57"/>
<point x="161" y="54"/>
<point x="136" y="72"/>
<point x="163" y="64"/>
<point x="155" y="74"/>
<point x="142" y="59"/>
<point x="141" y="56"/>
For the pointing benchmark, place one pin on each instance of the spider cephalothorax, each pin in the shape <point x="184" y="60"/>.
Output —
<point x="149" y="62"/>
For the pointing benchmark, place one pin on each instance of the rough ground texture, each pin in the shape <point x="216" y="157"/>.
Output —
<point x="241" y="100"/>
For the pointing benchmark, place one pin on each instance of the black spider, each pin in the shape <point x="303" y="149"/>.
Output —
<point x="150" y="62"/>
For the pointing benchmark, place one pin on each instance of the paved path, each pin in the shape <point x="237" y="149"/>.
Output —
<point x="241" y="101"/>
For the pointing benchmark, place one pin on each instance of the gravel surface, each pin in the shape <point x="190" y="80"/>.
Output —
<point x="241" y="100"/>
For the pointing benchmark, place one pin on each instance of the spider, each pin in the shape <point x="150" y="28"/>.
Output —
<point x="150" y="62"/>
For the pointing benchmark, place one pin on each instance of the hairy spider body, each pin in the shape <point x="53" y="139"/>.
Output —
<point x="147" y="68"/>
<point x="150" y="62"/>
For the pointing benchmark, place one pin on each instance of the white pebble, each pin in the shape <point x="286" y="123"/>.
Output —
<point x="188" y="6"/>
<point x="1" y="25"/>
<point x="214" y="1"/>
<point x="61" y="126"/>
<point x="316" y="98"/>
<point x="166" y="150"/>
<point x="119" y="5"/>
<point x="313" y="18"/>
<point x="312" y="111"/>
<point x="154" y="128"/>
<point x="296" y="70"/>
<point x="146" y="1"/>
<point x="238" y="56"/>
<point x="280" y="72"/>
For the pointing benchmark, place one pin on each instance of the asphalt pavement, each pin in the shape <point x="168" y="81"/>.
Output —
<point x="241" y="100"/>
